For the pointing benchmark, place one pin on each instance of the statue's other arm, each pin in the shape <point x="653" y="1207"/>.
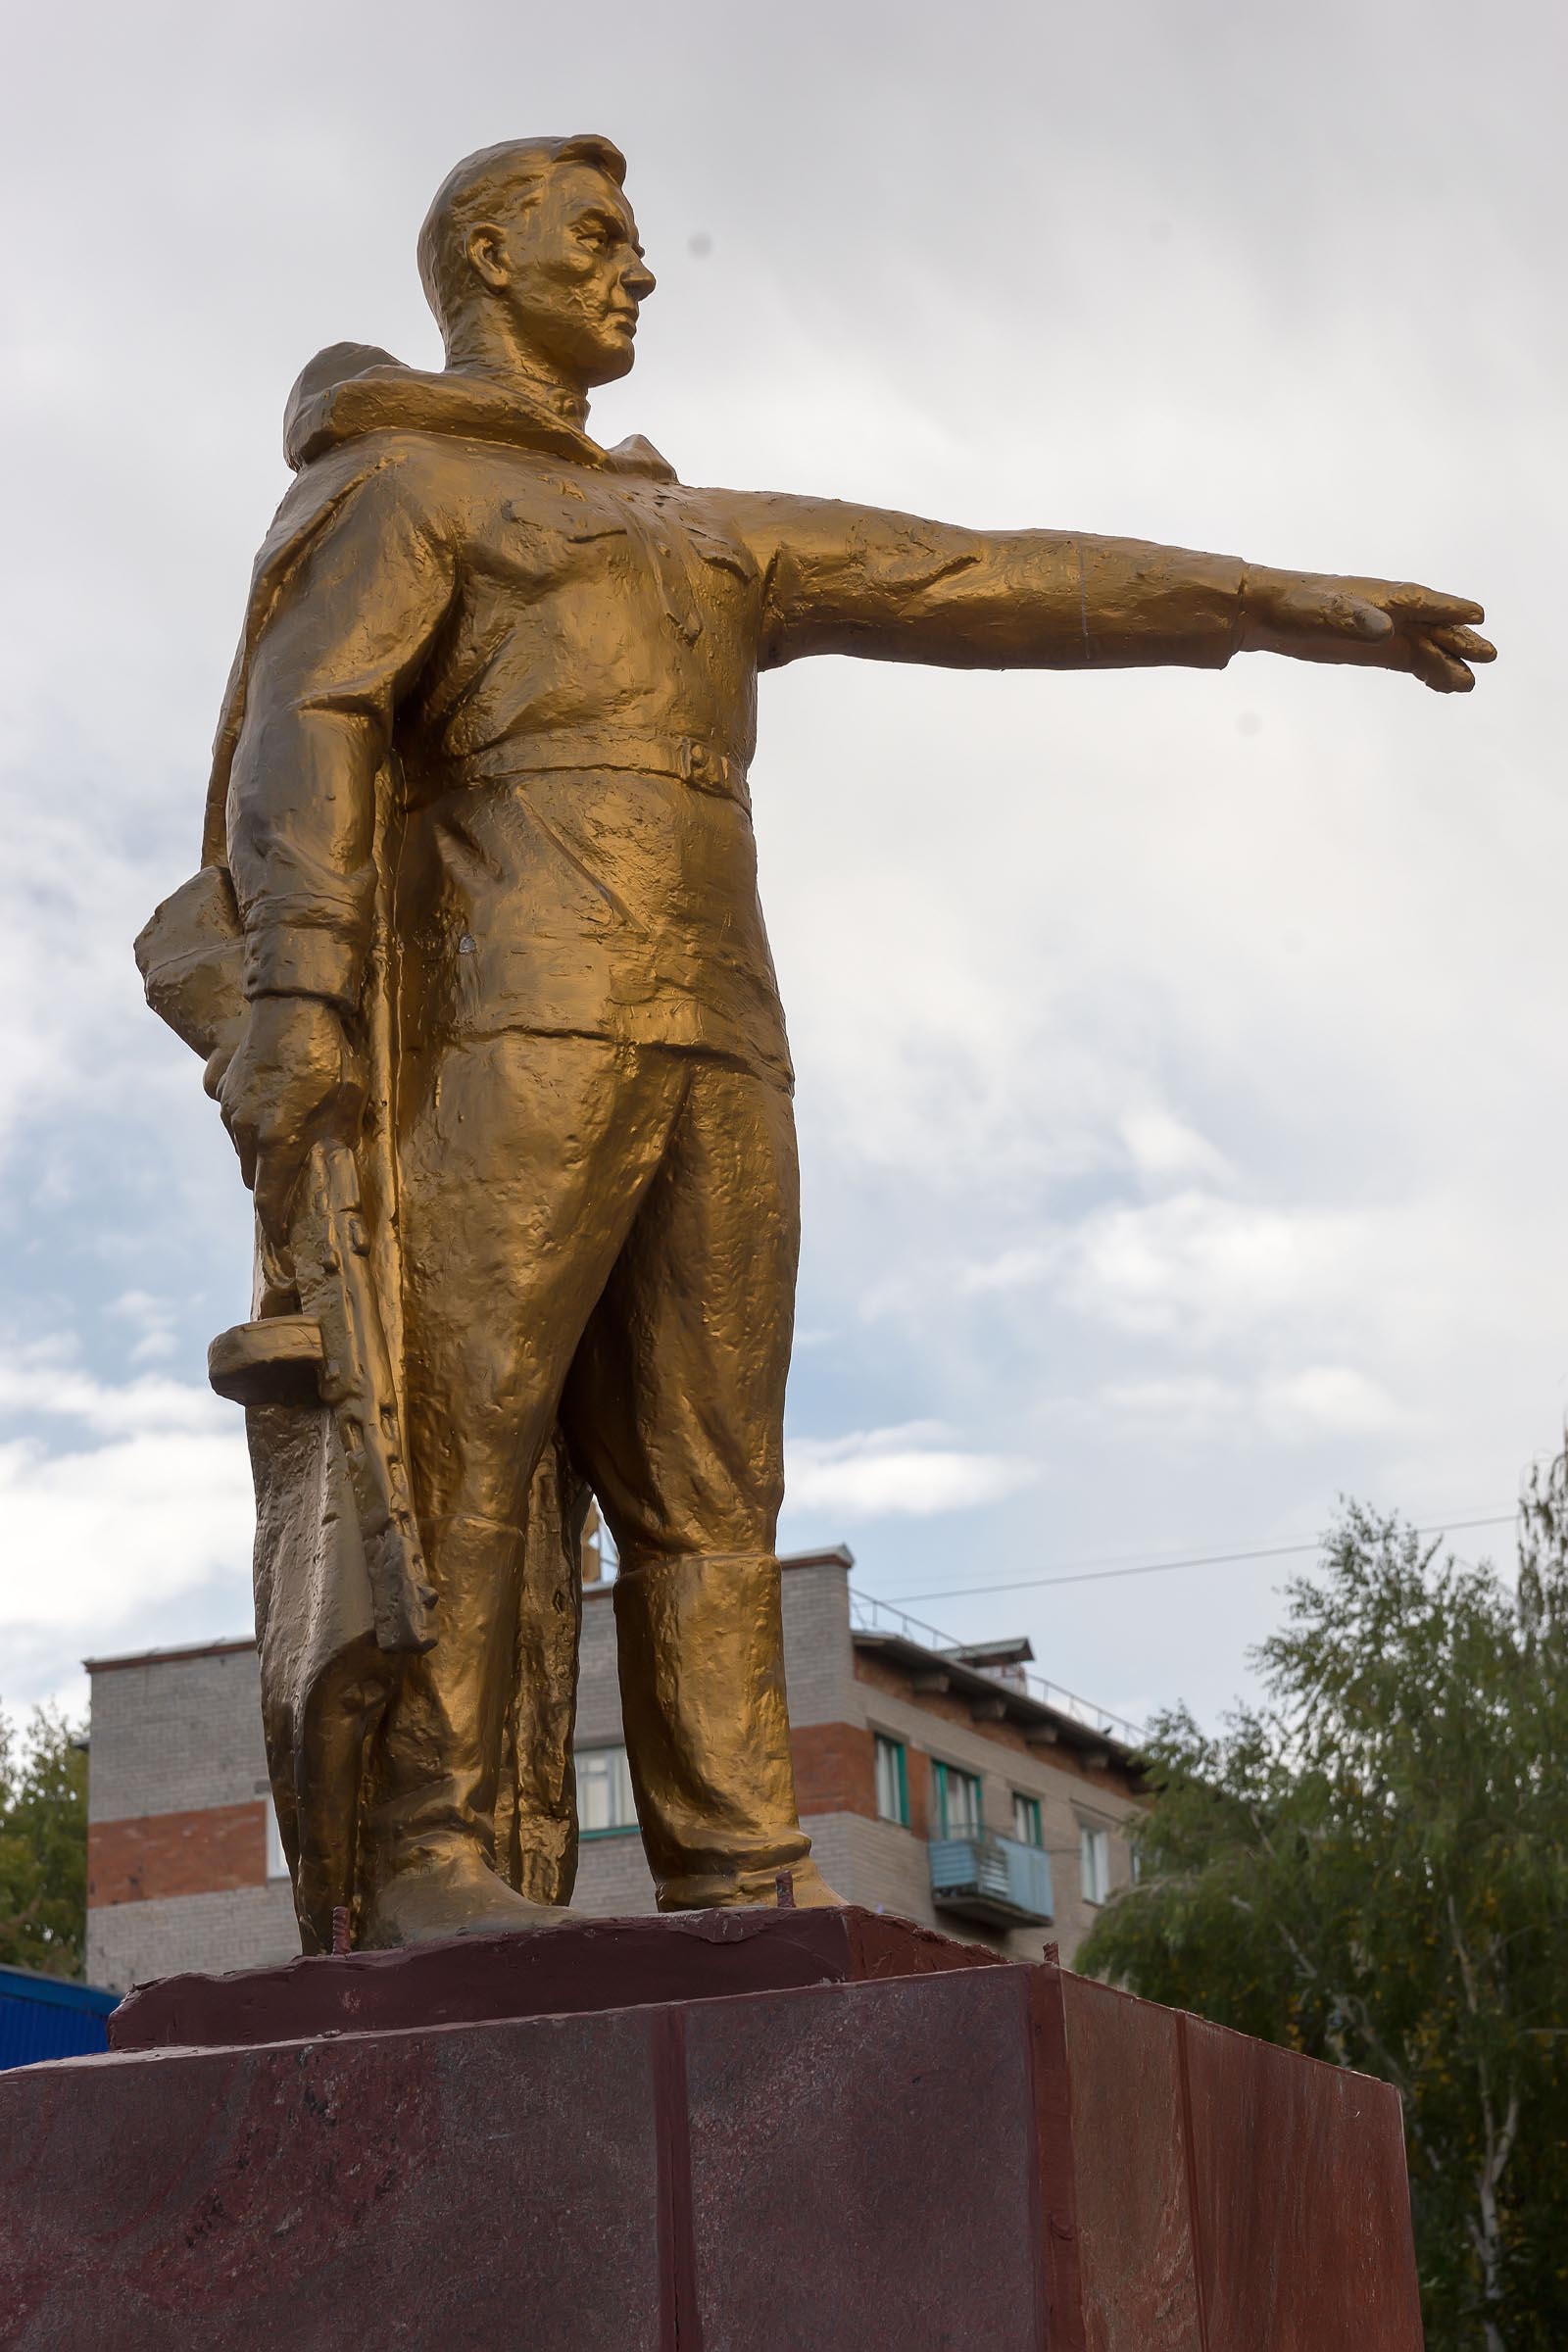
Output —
<point x="350" y="629"/>
<point x="846" y="580"/>
<point x="346" y="637"/>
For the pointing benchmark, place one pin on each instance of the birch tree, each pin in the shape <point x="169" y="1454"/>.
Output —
<point x="1372" y="1867"/>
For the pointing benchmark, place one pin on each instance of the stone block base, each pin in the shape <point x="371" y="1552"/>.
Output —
<point x="988" y="2158"/>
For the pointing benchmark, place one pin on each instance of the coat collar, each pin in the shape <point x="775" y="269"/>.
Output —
<point x="350" y="389"/>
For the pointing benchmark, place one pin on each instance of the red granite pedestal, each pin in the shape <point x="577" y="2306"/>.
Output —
<point x="770" y="2132"/>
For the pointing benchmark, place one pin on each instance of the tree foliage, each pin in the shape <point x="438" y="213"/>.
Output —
<point x="1372" y="1867"/>
<point x="43" y="1846"/>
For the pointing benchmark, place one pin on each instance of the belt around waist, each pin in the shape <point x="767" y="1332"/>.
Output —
<point x="702" y="766"/>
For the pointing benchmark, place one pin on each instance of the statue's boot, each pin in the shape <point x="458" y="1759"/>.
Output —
<point x="428" y="1867"/>
<point x="701" y="1643"/>
<point x="454" y="1895"/>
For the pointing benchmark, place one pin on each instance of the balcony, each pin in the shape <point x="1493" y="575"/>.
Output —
<point x="993" y="1879"/>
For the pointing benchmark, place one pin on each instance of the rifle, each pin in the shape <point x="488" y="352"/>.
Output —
<point x="331" y="1265"/>
<point x="340" y="1337"/>
<point x="336" y="1349"/>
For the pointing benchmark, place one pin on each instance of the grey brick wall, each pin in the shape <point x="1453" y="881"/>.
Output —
<point x="174" y="1735"/>
<point x="871" y="1862"/>
<point x="818" y="1661"/>
<point x="248" y="1927"/>
<point x="598" y="1689"/>
<point x="612" y="1877"/>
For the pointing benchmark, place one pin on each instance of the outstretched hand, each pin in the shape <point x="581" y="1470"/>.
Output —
<point x="1384" y="624"/>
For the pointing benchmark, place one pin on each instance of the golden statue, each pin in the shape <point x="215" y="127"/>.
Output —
<point x="476" y="960"/>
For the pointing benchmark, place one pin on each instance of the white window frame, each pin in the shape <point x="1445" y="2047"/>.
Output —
<point x="1094" y="1862"/>
<point x="620" y="1805"/>
<point x="887" y="1749"/>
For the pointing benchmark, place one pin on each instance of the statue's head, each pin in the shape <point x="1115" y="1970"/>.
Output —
<point x="539" y="231"/>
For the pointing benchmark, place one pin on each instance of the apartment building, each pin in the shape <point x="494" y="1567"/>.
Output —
<point x="945" y="1783"/>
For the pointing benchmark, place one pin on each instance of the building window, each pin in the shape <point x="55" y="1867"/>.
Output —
<point x="1026" y="1819"/>
<point x="1094" y="1862"/>
<point x="957" y="1801"/>
<point x="604" y="1804"/>
<point x="891" y="1782"/>
<point x="276" y="1859"/>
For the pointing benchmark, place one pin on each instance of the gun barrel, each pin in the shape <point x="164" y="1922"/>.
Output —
<point x="337" y="1291"/>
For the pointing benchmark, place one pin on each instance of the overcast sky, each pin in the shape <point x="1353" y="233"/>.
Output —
<point x="1180" y="1055"/>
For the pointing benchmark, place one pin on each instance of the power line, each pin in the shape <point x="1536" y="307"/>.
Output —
<point x="1203" y="1559"/>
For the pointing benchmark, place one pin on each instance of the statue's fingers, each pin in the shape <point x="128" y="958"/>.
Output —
<point x="1465" y="643"/>
<point x="242" y="1135"/>
<point x="1433" y="606"/>
<point x="1442" y="671"/>
<point x="1339" y="612"/>
<point x="1355" y="617"/>
<point x="216" y="1069"/>
<point x="274" y="1183"/>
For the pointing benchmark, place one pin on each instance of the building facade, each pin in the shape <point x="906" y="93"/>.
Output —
<point x="939" y="1782"/>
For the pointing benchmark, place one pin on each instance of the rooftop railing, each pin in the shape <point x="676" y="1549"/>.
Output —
<point x="870" y="1616"/>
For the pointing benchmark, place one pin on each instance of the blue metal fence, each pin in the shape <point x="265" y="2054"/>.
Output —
<point x="44" y="2017"/>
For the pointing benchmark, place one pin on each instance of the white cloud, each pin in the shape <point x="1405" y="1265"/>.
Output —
<point x="1160" y="1145"/>
<point x="1016" y="1269"/>
<point x="99" y="1537"/>
<point x="905" y="1472"/>
<point x="1191" y="1407"/>
<point x="72" y="901"/>
<point x="1289" y="1407"/>
<point x="1328" y="1400"/>
<point x="1208" y="1266"/>
<point x="39" y="1380"/>
<point x="153" y="1320"/>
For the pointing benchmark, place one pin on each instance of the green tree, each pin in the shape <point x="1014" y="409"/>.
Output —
<point x="43" y="1846"/>
<point x="1372" y="1867"/>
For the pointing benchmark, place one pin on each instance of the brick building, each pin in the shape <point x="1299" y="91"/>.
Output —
<point x="944" y="1783"/>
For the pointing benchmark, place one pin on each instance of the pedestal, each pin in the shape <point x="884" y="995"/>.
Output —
<point x="774" y="2131"/>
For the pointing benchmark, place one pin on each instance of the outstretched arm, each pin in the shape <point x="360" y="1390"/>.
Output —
<point x="846" y="580"/>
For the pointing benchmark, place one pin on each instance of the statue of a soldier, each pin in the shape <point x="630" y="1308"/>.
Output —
<point x="477" y="958"/>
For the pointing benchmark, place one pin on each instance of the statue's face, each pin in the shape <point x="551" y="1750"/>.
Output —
<point x="568" y="267"/>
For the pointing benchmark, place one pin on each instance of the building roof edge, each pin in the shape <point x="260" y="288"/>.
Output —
<point x="166" y="1657"/>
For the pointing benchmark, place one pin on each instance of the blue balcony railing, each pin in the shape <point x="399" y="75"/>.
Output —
<point x="989" y="1878"/>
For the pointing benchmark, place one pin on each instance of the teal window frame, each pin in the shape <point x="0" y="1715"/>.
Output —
<point x="1027" y="1826"/>
<point x="946" y="1777"/>
<point x="885" y="1745"/>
